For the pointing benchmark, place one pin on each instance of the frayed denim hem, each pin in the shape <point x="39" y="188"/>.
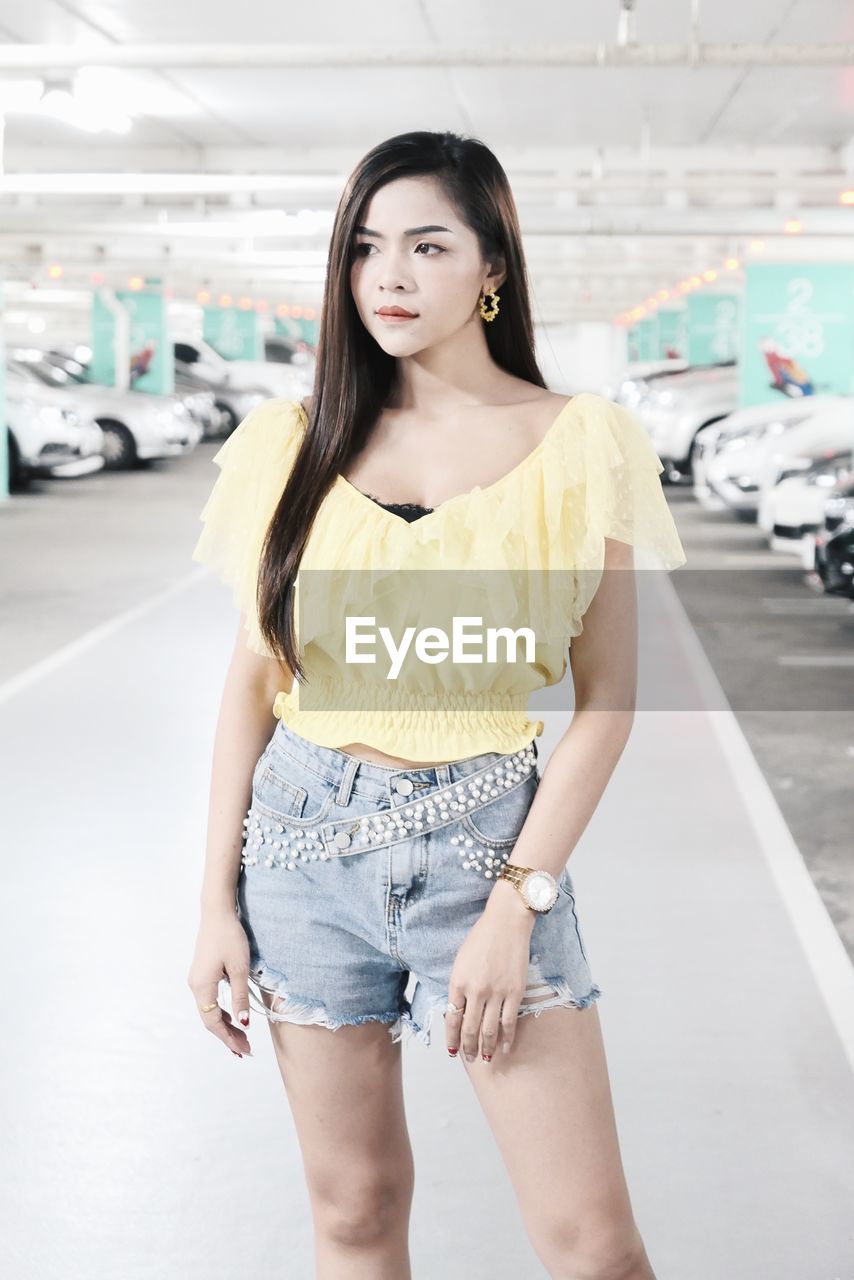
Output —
<point x="287" y="1007"/>
<point x="564" y="998"/>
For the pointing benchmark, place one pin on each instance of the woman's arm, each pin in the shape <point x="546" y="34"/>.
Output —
<point x="604" y="673"/>
<point x="244" y="727"/>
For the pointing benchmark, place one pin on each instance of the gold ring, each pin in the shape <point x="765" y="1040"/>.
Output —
<point x="452" y="1008"/>
<point x="206" y="1008"/>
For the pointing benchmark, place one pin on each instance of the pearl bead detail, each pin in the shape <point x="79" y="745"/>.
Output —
<point x="295" y="845"/>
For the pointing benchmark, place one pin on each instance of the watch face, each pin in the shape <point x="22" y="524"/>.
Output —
<point x="540" y="890"/>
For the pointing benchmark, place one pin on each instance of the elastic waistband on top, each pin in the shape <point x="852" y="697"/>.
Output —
<point x="333" y="765"/>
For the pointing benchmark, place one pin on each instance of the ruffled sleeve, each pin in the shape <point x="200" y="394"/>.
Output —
<point x="254" y="464"/>
<point x="624" y="496"/>
<point x="623" y="499"/>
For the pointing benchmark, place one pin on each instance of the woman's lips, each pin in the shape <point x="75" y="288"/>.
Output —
<point x="383" y="315"/>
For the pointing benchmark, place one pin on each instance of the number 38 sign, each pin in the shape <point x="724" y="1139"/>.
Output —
<point x="798" y="335"/>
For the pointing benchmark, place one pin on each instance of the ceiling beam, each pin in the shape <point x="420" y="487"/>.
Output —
<point x="599" y="55"/>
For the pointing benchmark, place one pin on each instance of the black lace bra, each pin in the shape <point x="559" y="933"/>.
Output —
<point x="407" y="510"/>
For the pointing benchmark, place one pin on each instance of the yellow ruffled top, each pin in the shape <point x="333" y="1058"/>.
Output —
<point x="534" y="539"/>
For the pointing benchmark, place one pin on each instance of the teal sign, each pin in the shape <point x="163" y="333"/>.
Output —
<point x="671" y="333"/>
<point x="298" y="328"/>
<point x="131" y="340"/>
<point x="798" y="330"/>
<point x="643" y="339"/>
<point x="712" y="327"/>
<point x="233" y="332"/>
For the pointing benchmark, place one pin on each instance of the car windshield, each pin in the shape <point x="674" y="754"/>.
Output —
<point x="41" y="371"/>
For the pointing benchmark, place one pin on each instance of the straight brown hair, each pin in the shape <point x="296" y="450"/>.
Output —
<point x="354" y="376"/>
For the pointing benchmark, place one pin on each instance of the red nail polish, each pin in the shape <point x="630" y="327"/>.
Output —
<point x="236" y="1054"/>
<point x="453" y="1052"/>
<point x="487" y="1057"/>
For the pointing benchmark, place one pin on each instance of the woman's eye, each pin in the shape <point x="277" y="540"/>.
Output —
<point x="360" y="249"/>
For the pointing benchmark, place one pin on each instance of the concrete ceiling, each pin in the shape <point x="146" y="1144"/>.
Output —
<point x="627" y="177"/>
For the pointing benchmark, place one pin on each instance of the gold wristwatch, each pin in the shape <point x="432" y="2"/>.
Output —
<point x="538" y="888"/>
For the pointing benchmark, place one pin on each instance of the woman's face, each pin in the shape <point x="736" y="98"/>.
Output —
<point x="437" y="272"/>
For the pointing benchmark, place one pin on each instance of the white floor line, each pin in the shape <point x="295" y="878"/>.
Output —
<point x="31" y="675"/>
<point x="816" y="932"/>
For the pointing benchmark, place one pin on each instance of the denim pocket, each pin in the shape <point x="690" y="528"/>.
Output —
<point x="293" y="795"/>
<point x="499" y="822"/>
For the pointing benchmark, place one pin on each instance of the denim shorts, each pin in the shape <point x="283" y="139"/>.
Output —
<point x="360" y="880"/>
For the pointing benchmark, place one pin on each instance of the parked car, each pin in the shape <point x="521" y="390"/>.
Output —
<point x="749" y="463"/>
<point x="46" y="437"/>
<point x="199" y="402"/>
<point x="834" y="542"/>
<point x="676" y="408"/>
<point x="718" y="449"/>
<point x="270" y="379"/>
<point x="281" y="350"/>
<point x="136" y="425"/>
<point x="231" y="401"/>
<point x="633" y="386"/>
<point x="793" y="511"/>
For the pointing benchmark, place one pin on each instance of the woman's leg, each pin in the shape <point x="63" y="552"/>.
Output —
<point x="346" y="1096"/>
<point x="548" y="1103"/>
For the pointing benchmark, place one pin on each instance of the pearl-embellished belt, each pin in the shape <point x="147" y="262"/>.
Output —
<point x="287" y="845"/>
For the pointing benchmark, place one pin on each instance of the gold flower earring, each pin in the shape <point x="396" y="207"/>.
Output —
<point x="486" y="314"/>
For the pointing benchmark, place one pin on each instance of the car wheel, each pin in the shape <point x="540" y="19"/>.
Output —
<point x="228" y="419"/>
<point x="18" y="477"/>
<point x="119" y="447"/>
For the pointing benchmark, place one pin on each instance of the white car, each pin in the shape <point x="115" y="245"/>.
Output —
<point x="749" y="464"/>
<point x="828" y="432"/>
<point x="637" y="379"/>
<point x="290" y="381"/>
<point x="45" y="437"/>
<point x="729" y="437"/>
<point x="135" y="424"/>
<point x="677" y="408"/>
<point x="793" y="511"/>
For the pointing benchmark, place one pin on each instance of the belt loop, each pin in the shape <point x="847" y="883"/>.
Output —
<point x="346" y="787"/>
<point x="443" y="775"/>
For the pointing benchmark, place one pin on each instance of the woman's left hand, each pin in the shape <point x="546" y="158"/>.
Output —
<point x="489" y="976"/>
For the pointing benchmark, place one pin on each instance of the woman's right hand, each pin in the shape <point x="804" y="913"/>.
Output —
<point x="222" y="951"/>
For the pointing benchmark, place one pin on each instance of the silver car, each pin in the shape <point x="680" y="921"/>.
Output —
<point x="137" y="425"/>
<point x="47" y="437"/>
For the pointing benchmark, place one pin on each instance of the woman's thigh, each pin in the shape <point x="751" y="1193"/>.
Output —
<point x="345" y="1092"/>
<point x="549" y="1105"/>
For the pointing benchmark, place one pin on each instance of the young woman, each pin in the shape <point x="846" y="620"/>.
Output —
<point x="367" y="830"/>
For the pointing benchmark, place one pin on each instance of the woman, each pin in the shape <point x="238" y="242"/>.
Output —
<point x="365" y="830"/>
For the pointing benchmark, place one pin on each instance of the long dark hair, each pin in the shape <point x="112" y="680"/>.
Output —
<point x="354" y="375"/>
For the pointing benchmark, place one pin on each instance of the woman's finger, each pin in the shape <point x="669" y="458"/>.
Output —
<point x="238" y="980"/>
<point x="509" y="1021"/>
<point x="471" y="1024"/>
<point x="490" y="1027"/>
<point x="218" y="1021"/>
<point x="454" y="1019"/>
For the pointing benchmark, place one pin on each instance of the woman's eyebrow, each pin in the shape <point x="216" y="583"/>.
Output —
<point x="413" y="231"/>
